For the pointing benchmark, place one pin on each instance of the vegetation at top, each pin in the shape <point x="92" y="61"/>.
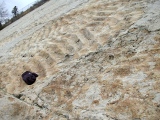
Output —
<point x="4" y="21"/>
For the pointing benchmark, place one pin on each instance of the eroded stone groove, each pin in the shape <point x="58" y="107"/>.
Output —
<point x="96" y="60"/>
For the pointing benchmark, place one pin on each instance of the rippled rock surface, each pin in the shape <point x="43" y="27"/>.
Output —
<point x="96" y="60"/>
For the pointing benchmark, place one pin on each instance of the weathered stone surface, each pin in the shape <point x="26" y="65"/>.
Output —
<point x="96" y="60"/>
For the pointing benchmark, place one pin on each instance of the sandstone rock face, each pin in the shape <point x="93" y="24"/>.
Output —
<point x="96" y="60"/>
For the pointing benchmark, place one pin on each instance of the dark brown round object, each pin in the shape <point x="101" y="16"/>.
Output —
<point x="29" y="78"/>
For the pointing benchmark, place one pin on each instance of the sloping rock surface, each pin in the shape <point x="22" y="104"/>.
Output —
<point x="96" y="60"/>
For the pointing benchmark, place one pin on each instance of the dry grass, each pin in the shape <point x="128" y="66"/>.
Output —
<point x="157" y="66"/>
<point x="134" y="104"/>
<point x="17" y="109"/>
<point x="135" y="60"/>
<point x="123" y="71"/>
<point x="156" y="86"/>
<point x="132" y="107"/>
<point x="95" y="102"/>
<point x="110" y="87"/>
<point x="157" y="38"/>
<point x="69" y="107"/>
<point x="11" y="99"/>
<point x="60" y="88"/>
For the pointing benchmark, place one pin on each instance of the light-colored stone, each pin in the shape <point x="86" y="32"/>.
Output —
<point x="157" y="98"/>
<point x="96" y="60"/>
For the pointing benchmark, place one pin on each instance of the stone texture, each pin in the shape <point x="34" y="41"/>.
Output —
<point x="96" y="60"/>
